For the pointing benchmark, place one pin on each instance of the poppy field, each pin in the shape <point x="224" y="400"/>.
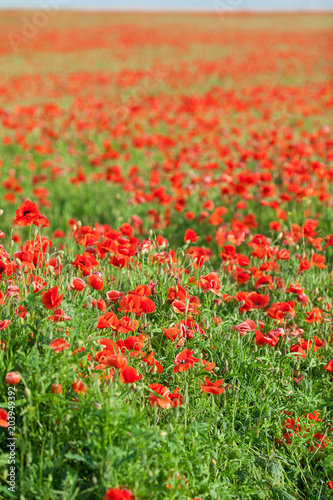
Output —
<point x="166" y="256"/>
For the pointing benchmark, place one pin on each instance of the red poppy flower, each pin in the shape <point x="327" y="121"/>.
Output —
<point x="78" y="284"/>
<point x="259" y="301"/>
<point x="129" y="375"/>
<point x="118" y="494"/>
<point x="114" y="295"/>
<point x="190" y="236"/>
<point x="314" y="316"/>
<point x="211" y="283"/>
<point x="57" y="388"/>
<point x="116" y="361"/>
<point x="184" y="360"/>
<point x="51" y="299"/>
<point x="160" y="396"/>
<point x="13" y="378"/>
<point x="96" y="282"/>
<point x="108" y="320"/>
<point x="246" y="326"/>
<point x="329" y="366"/>
<point x="212" y="387"/>
<point x="79" y="387"/>
<point x="59" y="345"/>
<point x="298" y="351"/>
<point x="3" y="418"/>
<point x="4" y="324"/>
<point x="28" y="214"/>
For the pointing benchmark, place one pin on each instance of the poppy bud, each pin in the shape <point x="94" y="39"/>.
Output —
<point x="13" y="378"/>
<point x="1" y="212"/>
<point x="18" y="262"/>
<point x="27" y="392"/>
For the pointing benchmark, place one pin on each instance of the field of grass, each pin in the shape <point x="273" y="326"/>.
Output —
<point x="166" y="256"/>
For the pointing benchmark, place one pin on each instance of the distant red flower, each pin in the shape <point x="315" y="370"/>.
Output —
<point x="57" y="388"/>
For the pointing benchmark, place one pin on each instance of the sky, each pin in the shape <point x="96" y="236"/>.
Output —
<point x="207" y="5"/>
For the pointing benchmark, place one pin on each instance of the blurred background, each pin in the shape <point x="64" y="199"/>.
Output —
<point x="206" y="5"/>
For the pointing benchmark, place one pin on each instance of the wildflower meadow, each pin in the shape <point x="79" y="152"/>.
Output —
<point x="166" y="277"/>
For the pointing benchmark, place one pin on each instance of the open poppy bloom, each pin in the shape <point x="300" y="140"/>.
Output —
<point x="246" y="326"/>
<point x="108" y="320"/>
<point x="314" y="316"/>
<point x="184" y="360"/>
<point x="160" y="396"/>
<point x="329" y="366"/>
<point x="190" y="236"/>
<point x="28" y="214"/>
<point x="51" y="299"/>
<point x="129" y="375"/>
<point x="59" y="345"/>
<point x="79" y="387"/>
<point x="116" y="361"/>
<point x="211" y="282"/>
<point x="212" y="387"/>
